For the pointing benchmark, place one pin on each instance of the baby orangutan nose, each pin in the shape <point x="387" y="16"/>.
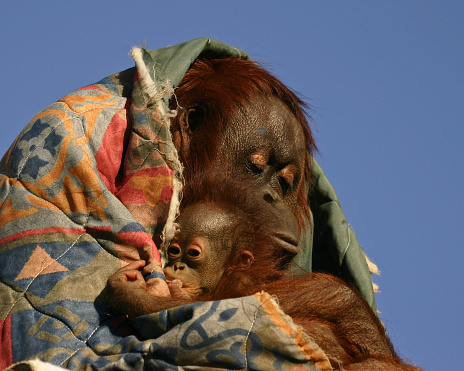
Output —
<point x="179" y="266"/>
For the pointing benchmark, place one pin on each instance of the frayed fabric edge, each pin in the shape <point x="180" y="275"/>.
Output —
<point x="157" y="94"/>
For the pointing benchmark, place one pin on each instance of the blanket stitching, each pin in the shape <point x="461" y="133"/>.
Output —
<point x="47" y="314"/>
<point x="76" y="116"/>
<point x="38" y="274"/>
<point x="349" y="242"/>
<point x="248" y="335"/>
<point x="83" y="342"/>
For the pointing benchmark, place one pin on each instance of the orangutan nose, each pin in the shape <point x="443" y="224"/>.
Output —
<point x="270" y="195"/>
<point x="179" y="266"/>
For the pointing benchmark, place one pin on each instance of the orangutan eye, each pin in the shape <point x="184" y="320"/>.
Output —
<point x="258" y="161"/>
<point x="284" y="185"/>
<point x="255" y="169"/>
<point x="173" y="251"/>
<point x="193" y="252"/>
<point x="287" y="175"/>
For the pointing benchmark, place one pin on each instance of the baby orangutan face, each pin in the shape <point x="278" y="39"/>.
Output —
<point x="204" y="247"/>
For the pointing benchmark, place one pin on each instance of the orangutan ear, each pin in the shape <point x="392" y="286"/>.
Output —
<point x="190" y="118"/>
<point x="245" y="259"/>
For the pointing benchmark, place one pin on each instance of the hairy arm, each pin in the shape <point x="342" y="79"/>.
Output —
<point x="128" y="293"/>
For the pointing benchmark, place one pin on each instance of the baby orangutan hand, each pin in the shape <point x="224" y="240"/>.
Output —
<point x="128" y="293"/>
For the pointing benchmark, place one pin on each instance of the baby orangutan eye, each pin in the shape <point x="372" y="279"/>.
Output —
<point x="173" y="251"/>
<point x="193" y="252"/>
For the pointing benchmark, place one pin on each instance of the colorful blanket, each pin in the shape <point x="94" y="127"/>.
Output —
<point x="91" y="183"/>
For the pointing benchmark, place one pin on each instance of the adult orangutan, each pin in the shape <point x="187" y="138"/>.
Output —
<point x="231" y="112"/>
<point x="235" y="240"/>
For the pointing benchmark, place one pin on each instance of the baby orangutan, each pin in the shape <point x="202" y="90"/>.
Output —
<point x="236" y="240"/>
<point x="228" y="231"/>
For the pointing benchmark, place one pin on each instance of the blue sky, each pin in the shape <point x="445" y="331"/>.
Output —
<point x="386" y="82"/>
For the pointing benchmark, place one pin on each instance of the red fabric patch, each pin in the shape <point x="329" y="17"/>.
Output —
<point x="136" y="76"/>
<point x="110" y="154"/>
<point x="6" y="351"/>
<point x="154" y="181"/>
<point x="34" y="232"/>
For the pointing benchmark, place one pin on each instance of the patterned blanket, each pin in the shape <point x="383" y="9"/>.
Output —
<point x="92" y="183"/>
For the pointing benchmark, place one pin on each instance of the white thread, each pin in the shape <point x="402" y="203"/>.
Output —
<point x="248" y="335"/>
<point x="38" y="273"/>
<point x="155" y="94"/>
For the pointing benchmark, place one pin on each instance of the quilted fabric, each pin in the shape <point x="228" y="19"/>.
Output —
<point x="91" y="183"/>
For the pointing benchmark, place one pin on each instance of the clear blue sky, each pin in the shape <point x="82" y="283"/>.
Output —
<point x="387" y="83"/>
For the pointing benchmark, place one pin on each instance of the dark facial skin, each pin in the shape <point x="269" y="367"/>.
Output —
<point x="212" y="240"/>
<point x="198" y="254"/>
<point x="266" y="140"/>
